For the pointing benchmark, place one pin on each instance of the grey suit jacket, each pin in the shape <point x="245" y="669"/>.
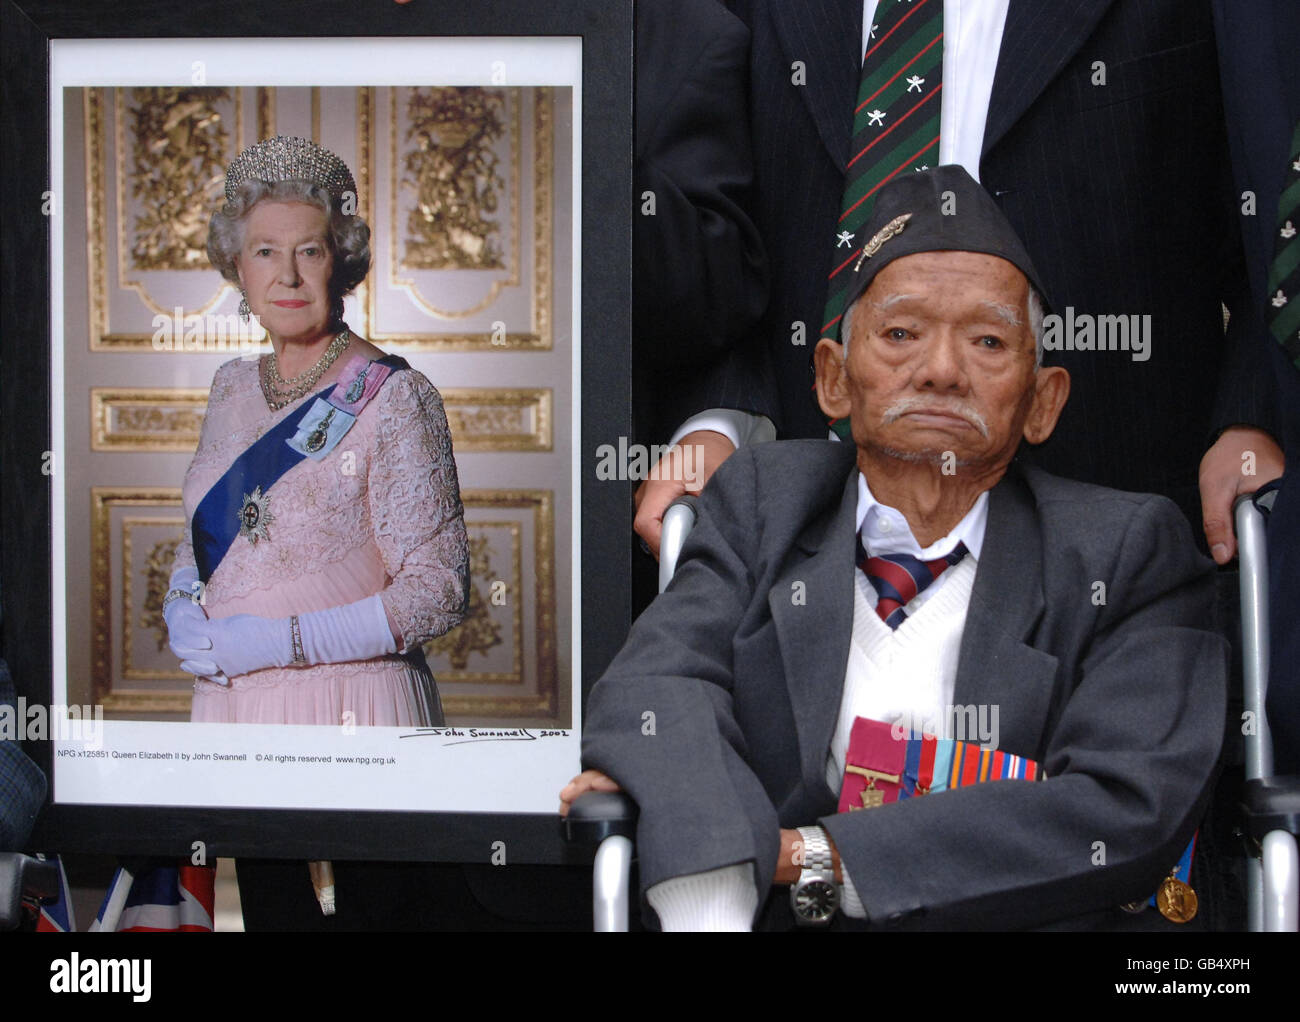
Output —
<point x="717" y="715"/>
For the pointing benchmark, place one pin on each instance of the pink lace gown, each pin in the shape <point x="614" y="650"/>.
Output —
<point x="381" y="513"/>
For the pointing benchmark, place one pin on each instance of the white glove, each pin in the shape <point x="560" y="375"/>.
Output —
<point x="354" y="631"/>
<point x="247" y="642"/>
<point x="186" y="631"/>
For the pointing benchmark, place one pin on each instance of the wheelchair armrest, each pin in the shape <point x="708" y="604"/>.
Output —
<point x="596" y="815"/>
<point x="1272" y="803"/>
<point x="22" y="876"/>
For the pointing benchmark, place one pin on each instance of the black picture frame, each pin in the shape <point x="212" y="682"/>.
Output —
<point x="28" y="27"/>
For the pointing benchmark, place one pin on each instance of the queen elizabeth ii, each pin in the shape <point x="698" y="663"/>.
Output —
<point x="325" y="536"/>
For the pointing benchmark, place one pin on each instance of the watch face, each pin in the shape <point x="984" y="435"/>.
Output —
<point x="816" y="900"/>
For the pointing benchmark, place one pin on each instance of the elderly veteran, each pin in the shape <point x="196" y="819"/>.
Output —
<point x="324" y="526"/>
<point x="837" y="602"/>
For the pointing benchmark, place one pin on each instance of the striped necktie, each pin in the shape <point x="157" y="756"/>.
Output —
<point x="895" y="129"/>
<point x="899" y="578"/>
<point x="1284" y="274"/>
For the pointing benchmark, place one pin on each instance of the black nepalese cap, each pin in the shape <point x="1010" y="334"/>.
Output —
<point x="943" y="209"/>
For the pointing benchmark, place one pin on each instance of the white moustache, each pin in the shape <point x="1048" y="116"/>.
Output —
<point x="914" y="404"/>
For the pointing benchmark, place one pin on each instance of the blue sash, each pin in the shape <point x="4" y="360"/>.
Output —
<point x="217" y="519"/>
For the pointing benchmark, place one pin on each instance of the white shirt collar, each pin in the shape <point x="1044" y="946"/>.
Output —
<point x="884" y="530"/>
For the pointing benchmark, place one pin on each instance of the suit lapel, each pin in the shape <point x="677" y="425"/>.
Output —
<point x="827" y="36"/>
<point x="1037" y="42"/>
<point x="995" y="666"/>
<point x="812" y="608"/>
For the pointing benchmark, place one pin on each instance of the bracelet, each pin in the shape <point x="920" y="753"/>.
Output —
<point x="295" y="633"/>
<point x="177" y="594"/>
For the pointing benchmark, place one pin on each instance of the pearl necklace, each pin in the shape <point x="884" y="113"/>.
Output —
<point x="280" y="392"/>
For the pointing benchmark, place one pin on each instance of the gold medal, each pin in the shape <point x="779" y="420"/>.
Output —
<point x="872" y="797"/>
<point x="1176" y="901"/>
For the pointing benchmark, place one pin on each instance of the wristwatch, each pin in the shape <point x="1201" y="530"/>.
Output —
<point x="815" y="896"/>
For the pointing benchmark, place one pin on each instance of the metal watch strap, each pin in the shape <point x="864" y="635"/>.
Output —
<point x="815" y="896"/>
<point x="816" y="850"/>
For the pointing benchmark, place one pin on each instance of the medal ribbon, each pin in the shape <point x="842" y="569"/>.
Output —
<point x="929" y="765"/>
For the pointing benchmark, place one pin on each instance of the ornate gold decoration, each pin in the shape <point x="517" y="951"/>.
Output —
<point x="116" y="698"/>
<point x="513" y="101"/>
<point x="95" y="101"/>
<point x="542" y="603"/>
<point x="129" y="704"/>
<point x="543" y="208"/>
<point x="537" y="336"/>
<point x="452" y="168"/>
<point x="155" y="420"/>
<point x="146" y="419"/>
<point x="478" y="633"/>
<point x="500" y="706"/>
<point x="266" y="113"/>
<point x="179" y="145"/>
<point x="147" y="614"/>
<point x="498" y="419"/>
<point x="158" y="572"/>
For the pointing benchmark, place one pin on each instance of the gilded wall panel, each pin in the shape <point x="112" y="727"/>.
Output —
<point x="459" y="183"/>
<point x="512" y="593"/>
<point x="155" y="162"/>
<point x="134" y="532"/>
<point x="146" y="419"/>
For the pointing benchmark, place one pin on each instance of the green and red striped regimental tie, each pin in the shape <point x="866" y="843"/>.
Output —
<point x="1284" y="274"/>
<point x="895" y="129"/>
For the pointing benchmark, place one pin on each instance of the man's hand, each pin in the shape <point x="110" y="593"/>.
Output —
<point x="684" y="469"/>
<point x="1241" y="461"/>
<point x="588" y="780"/>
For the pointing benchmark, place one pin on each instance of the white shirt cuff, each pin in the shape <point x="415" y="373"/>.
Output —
<point x="739" y="427"/>
<point x="721" y="900"/>
<point x="850" y="903"/>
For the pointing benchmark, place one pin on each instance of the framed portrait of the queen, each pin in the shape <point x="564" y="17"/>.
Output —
<point x="316" y="316"/>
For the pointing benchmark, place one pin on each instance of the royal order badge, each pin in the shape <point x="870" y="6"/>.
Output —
<point x="255" y="515"/>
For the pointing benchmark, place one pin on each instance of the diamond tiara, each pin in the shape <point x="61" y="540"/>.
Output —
<point x="288" y="158"/>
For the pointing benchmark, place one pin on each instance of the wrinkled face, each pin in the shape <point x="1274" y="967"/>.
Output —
<point x="942" y="360"/>
<point x="285" y="265"/>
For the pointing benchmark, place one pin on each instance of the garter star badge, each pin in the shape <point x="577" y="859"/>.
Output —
<point x="255" y="515"/>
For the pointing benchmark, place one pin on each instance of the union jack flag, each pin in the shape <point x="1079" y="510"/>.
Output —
<point x="159" y="899"/>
